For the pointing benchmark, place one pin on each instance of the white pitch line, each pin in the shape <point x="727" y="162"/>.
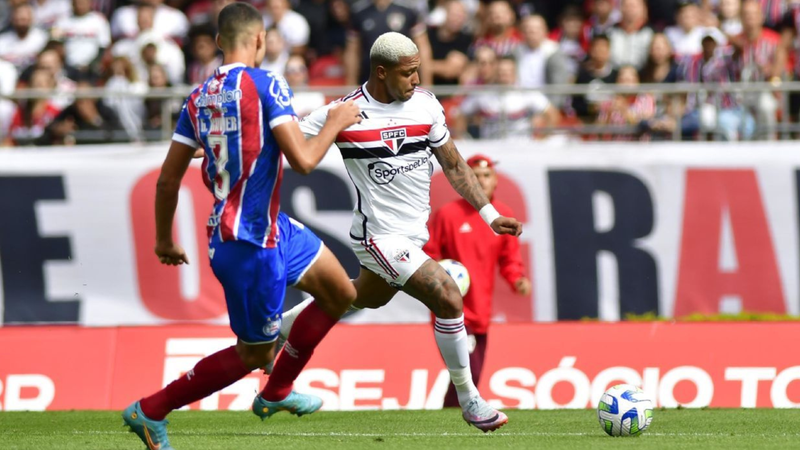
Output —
<point x="374" y="435"/>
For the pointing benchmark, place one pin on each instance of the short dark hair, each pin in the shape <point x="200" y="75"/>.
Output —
<point x="234" y="19"/>
<point x="509" y="58"/>
<point x="204" y="29"/>
<point x="600" y="37"/>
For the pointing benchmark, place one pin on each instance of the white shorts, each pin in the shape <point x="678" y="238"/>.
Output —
<point x="394" y="258"/>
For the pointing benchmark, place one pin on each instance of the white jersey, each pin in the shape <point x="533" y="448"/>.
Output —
<point x="388" y="156"/>
<point x="84" y="35"/>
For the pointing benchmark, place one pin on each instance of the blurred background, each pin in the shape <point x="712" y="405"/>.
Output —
<point x="92" y="71"/>
<point x="648" y="146"/>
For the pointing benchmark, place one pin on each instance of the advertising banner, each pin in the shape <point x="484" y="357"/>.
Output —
<point x="610" y="230"/>
<point x="544" y="366"/>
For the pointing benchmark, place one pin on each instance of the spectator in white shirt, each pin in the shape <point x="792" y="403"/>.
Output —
<point x="304" y="101"/>
<point x="630" y="38"/>
<point x="540" y="61"/>
<point x="85" y="33"/>
<point x="292" y="26"/>
<point x="8" y="77"/>
<point x="8" y="82"/>
<point x="47" y="12"/>
<point x="510" y="113"/>
<point x="730" y="17"/>
<point x="275" y="55"/>
<point x="685" y="37"/>
<point x="123" y="78"/>
<point x="151" y="47"/>
<point x="23" y="42"/>
<point x="168" y="22"/>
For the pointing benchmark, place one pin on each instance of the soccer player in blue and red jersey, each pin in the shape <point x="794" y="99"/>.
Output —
<point x="242" y="118"/>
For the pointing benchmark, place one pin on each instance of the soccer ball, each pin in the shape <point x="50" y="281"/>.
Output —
<point x="459" y="273"/>
<point x="624" y="410"/>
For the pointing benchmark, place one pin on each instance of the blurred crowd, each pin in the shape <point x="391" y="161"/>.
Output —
<point x="132" y="46"/>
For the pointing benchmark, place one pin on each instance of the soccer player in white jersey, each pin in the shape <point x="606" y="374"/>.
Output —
<point x="388" y="156"/>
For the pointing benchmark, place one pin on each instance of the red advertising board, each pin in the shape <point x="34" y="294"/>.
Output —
<point x="559" y="365"/>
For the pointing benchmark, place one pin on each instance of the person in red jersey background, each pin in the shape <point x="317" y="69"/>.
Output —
<point x="457" y="232"/>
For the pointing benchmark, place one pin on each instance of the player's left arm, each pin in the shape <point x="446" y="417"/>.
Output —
<point x="463" y="180"/>
<point x="169" y="183"/>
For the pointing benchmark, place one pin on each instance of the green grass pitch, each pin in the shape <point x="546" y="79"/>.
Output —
<point x="577" y="429"/>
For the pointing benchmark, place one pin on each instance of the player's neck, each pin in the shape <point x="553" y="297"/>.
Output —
<point x="378" y="91"/>
<point x="246" y="58"/>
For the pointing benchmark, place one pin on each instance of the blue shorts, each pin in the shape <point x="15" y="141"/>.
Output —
<point x="254" y="278"/>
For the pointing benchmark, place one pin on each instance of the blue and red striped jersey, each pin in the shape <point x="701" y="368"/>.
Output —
<point x="231" y="116"/>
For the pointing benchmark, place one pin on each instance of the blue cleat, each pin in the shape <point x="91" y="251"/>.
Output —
<point x="152" y="432"/>
<point x="296" y="403"/>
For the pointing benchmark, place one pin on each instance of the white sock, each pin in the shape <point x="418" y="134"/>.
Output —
<point x="451" y="337"/>
<point x="289" y="316"/>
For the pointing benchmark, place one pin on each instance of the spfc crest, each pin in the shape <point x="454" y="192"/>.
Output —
<point x="394" y="138"/>
<point x="401" y="255"/>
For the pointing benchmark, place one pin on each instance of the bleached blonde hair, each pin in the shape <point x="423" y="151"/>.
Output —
<point x="389" y="48"/>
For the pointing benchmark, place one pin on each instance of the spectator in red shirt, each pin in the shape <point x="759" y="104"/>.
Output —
<point x="33" y="116"/>
<point x="458" y="232"/>
<point x="757" y="51"/>
<point x="498" y="28"/>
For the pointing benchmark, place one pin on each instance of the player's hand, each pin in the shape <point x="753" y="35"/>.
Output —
<point x="345" y="114"/>
<point x="171" y="254"/>
<point x="507" y="225"/>
<point x="523" y="286"/>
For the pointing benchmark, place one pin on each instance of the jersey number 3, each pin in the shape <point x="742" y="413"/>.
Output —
<point x="222" y="183"/>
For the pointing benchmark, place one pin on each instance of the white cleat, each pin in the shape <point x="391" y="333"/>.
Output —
<point x="479" y="414"/>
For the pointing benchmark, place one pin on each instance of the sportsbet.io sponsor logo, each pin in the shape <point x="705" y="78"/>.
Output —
<point x="383" y="172"/>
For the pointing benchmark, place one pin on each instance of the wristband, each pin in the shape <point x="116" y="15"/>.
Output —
<point x="489" y="214"/>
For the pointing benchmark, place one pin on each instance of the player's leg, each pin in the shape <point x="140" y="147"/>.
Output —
<point x="244" y="272"/>
<point x="372" y="292"/>
<point x="477" y="351"/>
<point x="310" y="267"/>
<point x="332" y="294"/>
<point x="436" y="289"/>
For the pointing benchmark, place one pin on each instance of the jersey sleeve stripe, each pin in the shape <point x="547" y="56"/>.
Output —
<point x="194" y="112"/>
<point x="280" y="120"/>
<point x="433" y="143"/>
<point x="185" y="140"/>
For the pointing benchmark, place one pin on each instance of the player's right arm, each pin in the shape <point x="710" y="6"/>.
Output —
<point x="169" y="183"/>
<point x="304" y="154"/>
<point x="183" y="148"/>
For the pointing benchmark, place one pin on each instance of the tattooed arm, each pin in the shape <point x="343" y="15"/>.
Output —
<point x="463" y="180"/>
